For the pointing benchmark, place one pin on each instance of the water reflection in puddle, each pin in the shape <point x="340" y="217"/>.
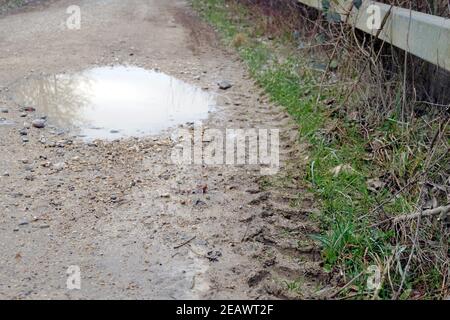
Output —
<point x="115" y="102"/>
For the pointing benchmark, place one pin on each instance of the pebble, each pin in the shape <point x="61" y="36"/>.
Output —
<point x="46" y="164"/>
<point x="25" y="140"/>
<point x="59" y="166"/>
<point x="29" y="109"/>
<point x="199" y="202"/>
<point x="3" y="110"/>
<point x="23" y="132"/>
<point x="6" y="174"/>
<point x="214" y="255"/>
<point x="224" y="85"/>
<point x="38" y="123"/>
<point x="23" y="223"/>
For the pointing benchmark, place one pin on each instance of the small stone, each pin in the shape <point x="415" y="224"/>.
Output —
<point x="214" y="256"/>
<point x="25" y="140"/>
<point x="46" y="164"/>
<point x="199" y="203"/>
<point x="23" y="115"/>
<point x="3" y="110"/>
<point x="23" y="132"/>
<point x="23" y="223"/>
<point x="6" y="174"/>
<point x="44" y="226"/>
<point x="114" y="131"/>
<point x="29" y="109"/>
<point x="224" y="85"/>
<point x="38" y="123"/>
<point x="59" y="166"/>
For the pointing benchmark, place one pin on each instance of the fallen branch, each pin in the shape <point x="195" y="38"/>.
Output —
<point x="442" y="212"/>
<point x="184" y="243"/>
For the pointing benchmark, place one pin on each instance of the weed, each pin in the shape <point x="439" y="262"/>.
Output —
<point x="345" y="155"/>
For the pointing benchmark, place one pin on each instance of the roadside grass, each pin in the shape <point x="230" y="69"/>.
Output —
<point x="10" y="4"/>
<point x="339" y="168"/>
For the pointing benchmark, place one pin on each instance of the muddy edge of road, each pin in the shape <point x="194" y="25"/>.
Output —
<point x="137" y="225"/>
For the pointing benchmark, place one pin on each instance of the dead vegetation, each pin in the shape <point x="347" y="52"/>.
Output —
<point x="401" y="107"/>
<point x="397" y="108"/>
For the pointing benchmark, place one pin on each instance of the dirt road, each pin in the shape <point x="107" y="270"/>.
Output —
<point x="135" y="224"/>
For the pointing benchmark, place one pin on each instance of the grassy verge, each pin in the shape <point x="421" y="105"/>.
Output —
<point x="6" y="5"/>
<point x="340" y="170"/>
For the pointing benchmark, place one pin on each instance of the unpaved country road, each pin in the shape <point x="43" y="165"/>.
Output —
<point x="119" y="210"/>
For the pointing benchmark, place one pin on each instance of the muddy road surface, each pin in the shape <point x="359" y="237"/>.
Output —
<point x="99" y="198"/>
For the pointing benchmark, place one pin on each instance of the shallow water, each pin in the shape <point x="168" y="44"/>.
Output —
<point x="115" y="102"/>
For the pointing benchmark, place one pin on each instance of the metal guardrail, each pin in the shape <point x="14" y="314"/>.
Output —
<point x="423" y="35"/>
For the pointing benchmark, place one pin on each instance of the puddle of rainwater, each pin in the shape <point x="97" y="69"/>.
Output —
<point x="115" y="102"/>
